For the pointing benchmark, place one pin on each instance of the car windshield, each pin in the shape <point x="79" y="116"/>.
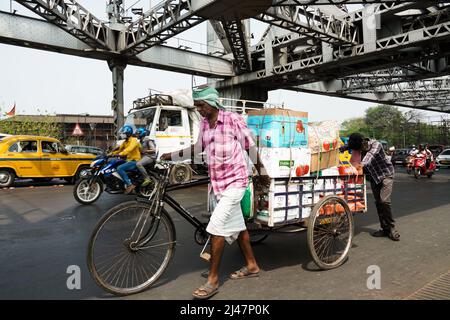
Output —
<point x="141" y="118"/>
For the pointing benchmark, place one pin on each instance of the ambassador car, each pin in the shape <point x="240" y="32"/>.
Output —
<point x="39" y="158"/>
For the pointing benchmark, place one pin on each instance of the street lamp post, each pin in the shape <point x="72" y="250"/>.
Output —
<point x="92" y="125"/>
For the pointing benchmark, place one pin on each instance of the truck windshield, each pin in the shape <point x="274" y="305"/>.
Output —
<point x="141" y="118"/>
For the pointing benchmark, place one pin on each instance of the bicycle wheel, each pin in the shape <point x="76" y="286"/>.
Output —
<point x="130" y="247"/>
<point x="330" y="232"/>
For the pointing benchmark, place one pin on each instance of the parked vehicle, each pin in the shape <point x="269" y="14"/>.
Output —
<point x="4" y="135"/>
<point x="436" y="149"/>
<point x="85" y="149"/>
<point x="103" y="172"/>
<point x="400" y="157"/>
<point x="420" y="168"/>
<point x="443" y="159"/>
<point x="39" y="158"/>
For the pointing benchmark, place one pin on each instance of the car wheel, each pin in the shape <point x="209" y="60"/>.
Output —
<point x="6" y="178"/>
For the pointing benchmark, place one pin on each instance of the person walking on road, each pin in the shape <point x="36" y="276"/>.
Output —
<point x="224" y="136"/>
<point x="380" y="172"/>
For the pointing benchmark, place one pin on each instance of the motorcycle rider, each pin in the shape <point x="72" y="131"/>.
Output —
<point x="130" y="149"/>
<point x="149" y="153"/>
<point x="413" y="151"/>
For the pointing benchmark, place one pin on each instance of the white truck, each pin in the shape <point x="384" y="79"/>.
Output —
<point x="175" y="126"/>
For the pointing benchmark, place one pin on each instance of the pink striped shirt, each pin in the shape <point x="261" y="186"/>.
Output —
<point x="225" y="147"/>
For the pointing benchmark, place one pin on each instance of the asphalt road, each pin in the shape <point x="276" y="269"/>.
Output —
<point x="43" y="230"/>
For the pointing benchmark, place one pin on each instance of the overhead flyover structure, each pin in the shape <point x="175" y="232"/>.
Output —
<point x="392" y="52"/>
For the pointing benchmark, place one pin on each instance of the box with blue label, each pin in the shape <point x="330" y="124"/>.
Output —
<point x="279" y="128"/>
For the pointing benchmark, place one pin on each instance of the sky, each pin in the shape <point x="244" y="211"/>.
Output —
<point x="40" y="81"/>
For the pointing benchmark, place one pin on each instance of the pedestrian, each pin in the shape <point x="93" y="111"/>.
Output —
<point x="225" y="137"/>
<point x="380" y="172"/>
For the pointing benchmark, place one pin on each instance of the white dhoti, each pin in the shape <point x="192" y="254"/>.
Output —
<point x="227" y="219"/>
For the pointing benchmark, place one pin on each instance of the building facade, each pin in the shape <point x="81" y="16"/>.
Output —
<point x="91" y="130"/>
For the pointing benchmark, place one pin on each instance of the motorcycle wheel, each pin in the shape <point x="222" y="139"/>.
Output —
<point x="148" y="190"/>
<point x="429" y="175"/>
<point x="86" y="194"/>
<point x="417" y="173"/>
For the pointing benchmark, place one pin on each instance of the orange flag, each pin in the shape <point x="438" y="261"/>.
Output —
<point x="13" y="111"/>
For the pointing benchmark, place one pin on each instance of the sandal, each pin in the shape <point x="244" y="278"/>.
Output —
<point x="206" y="291"/>
<point x="394" y="235"/>
<point x="243" y="273"/>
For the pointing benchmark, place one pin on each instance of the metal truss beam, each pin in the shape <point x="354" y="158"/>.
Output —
<point x="385" y="98"/>
<point x="73" y="18"/>
<point x="335" y="2"/>
<point x="398" y="50"/>
<point x="221" y="35"/>
<point x="236" y="34"/>
<point x="162" y="22"/>
<point x="38" y="34"/>
<point x="430" y="86"/>
<point x="318" y="26"/>
<point x="390" y="8"/>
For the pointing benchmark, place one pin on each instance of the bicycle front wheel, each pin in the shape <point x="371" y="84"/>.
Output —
<point x="131" y="247"/>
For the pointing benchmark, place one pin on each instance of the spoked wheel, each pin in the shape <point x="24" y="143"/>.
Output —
<point x="86" y="191"/>
<point x="149" y="190"/>
<point x="131" y="247"/>
<point x="330" y="232"/>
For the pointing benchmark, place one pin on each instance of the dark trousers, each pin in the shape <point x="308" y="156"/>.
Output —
<point x="382" y="193"/>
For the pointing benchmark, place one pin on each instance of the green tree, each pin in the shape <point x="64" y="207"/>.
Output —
<point x="354" y="125"/>
<point x="44" y="125"/>
<point x="384" y="123"/>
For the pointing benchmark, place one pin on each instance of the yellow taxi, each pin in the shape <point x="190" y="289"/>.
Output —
<point x="39" y="158"/>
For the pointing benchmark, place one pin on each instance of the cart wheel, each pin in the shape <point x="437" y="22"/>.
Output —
<point x="330" y="232"/>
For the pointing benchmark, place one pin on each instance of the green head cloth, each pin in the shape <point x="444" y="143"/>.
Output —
<point x="209" y="95"/>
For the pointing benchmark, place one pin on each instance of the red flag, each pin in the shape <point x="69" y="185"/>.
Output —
<point x="13" y="111"/>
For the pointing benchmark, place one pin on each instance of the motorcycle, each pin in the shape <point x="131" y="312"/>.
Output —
<point x="420" y="167"/>
<point x="103" y="172"/>
<point x="409" y="164"/>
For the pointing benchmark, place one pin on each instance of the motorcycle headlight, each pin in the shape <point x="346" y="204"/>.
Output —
<point x="95" y="163"/>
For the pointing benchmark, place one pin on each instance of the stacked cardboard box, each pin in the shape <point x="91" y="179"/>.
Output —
<point x="279" y="128"/>
<point x="282" y="139"/>
<point x="323" y="140"/>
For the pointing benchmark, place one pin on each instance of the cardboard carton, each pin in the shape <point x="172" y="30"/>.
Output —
<point x="279" y="128"/>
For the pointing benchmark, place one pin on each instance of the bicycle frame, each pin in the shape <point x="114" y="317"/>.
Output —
<point x="163" y="197"/>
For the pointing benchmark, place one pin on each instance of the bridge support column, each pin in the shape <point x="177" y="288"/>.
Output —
<point x="117" y="104"/>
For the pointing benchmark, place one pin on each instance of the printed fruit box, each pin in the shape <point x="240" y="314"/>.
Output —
<point x="279" y="128"/>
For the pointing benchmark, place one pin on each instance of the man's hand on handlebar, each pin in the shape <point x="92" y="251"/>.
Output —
<point x="166" y="157"/>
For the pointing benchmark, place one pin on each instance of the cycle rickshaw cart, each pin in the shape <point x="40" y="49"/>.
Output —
<point x="133" y="243"/>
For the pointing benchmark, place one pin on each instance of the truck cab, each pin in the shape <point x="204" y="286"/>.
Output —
<point x="172" y="127"/>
